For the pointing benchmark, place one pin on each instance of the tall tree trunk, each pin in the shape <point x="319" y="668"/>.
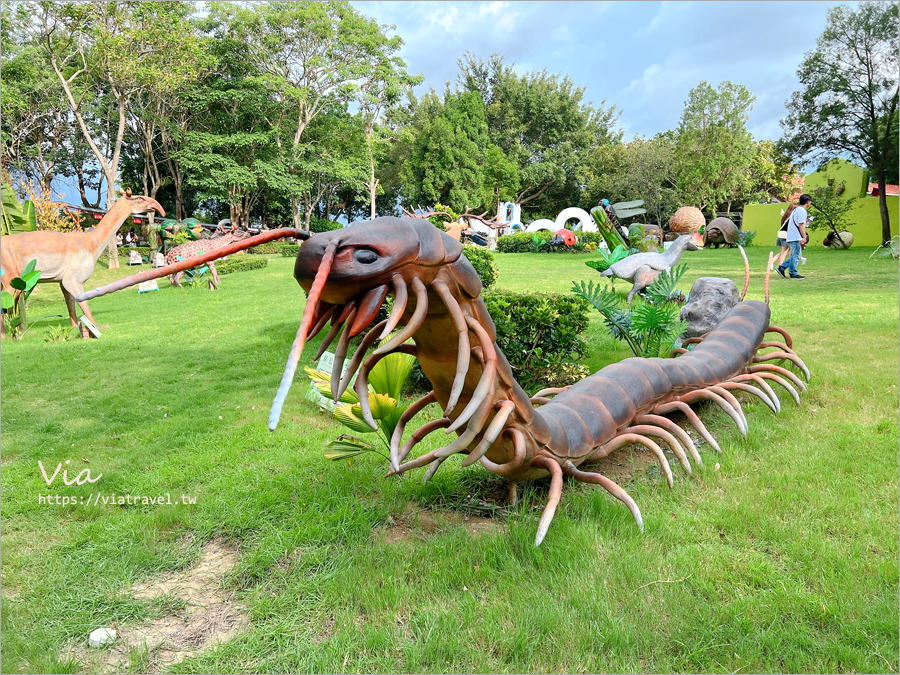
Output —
<point x="112" y="250"/>
<point x="882" y="206"/>
<point x="295" y="214"/>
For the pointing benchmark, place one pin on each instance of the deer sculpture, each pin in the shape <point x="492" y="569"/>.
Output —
<point x="68" y="258"/>
<point x="200" y="246"/>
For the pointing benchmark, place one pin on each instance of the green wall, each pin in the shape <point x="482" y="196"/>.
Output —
<point x="865" y="217"/>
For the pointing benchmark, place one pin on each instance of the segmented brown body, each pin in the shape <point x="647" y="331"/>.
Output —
<point x="437" y="303"/>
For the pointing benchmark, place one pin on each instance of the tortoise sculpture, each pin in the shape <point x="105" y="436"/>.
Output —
<point x="347" y="275"/>
<point x="721" y="231"/>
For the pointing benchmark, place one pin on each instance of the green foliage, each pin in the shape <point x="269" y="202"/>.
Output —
<point x="529" y="242"/>
<point x="889" y="251"/>
<point x="652" y="326"/>
<point x="746" y="237"/>
<point x="482" y="260"/>
<point x="713" y="148"/>
<point x="323" y="225"/>
<point x="830" y="208"/>
<point x="13" y="217"/>
<point x="538" y="332"/>
<point x="240" y="263"/>
<point x="270" y="248"/>
<point x="849" y="100"/>
<point x="608" y="258"/>
<point x="61" y="333"/>
<point x="290" y="250"/>
<point x="386" y="381"/>
<point x="15" y="320"/>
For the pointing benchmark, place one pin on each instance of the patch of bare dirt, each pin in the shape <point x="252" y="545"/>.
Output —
<point x="623" y="465"/>
<point x="210" y="615"/>
<point x="422" y="523"/>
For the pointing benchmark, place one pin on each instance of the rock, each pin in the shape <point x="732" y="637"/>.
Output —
<point x="101" y="637"/>
<point x="845" y="241"/>
<point x="710" y="299"/>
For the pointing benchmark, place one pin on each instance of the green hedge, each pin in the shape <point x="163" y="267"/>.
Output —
<point x="270" y="248"/>
<point x="482" y="260"/>
<point x="240" y="264"/>
<point x="290" y="250"/>
<point x="540" y="333"/>
<point x="323" y="225"/>
<point x="523" y="242"/>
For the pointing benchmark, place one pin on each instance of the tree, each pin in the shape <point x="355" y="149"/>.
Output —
<point x="713" y="148"/>
<point x="543" y="126"/>
<point x="314" y="55"/>
<point x="771" y="174"/>
<point x="448" y="155"/>
<point x="849" y="103"/>
<point x="117" y="49"/>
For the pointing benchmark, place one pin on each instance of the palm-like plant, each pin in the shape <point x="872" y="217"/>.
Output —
<point x="653" y="326"/>
<point x="385" y="384"/>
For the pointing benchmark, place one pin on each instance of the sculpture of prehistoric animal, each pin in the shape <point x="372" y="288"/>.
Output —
<point x="194" y="248"/>
<point x="687" y="220"/>
<point x="840" y="240"/>
<point x="720" y="231"/>
<point x="68" y="258"/>
<point x="347" y="274"/>
<point x="642" y="269"/>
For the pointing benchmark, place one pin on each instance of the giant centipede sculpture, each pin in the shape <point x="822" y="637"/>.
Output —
<point x="348" y="273"/>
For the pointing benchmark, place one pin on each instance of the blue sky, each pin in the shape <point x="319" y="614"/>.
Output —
<point x="643" y="57"/>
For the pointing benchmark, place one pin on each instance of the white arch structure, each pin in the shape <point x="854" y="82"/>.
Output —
<point x="585" y="221"/>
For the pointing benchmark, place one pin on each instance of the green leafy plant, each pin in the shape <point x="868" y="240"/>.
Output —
<point x="746" y="237"/>
<point x="15" y="322"/>
<point x="652" y="327"/>
<point x="385" y="384"/>
<point x="888" y="251"/>
<point x="608" y="258"/>
<point x="482" y="260"/>
<point x="14" y="217"/>
<point x="61" y="333"/>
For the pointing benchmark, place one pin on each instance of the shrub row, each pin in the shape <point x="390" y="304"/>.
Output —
<point x="240" y="264"/>
<point x="323" y="225"/>
<point x="482" y="260"/>
<point x="270" y="248"/>
<point x="290" y="250"/>
<point x="523" y="242"/>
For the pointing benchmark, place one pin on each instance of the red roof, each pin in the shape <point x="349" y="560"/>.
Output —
<point x="888" y="189"/>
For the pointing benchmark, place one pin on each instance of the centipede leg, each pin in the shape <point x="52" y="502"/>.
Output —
<point x="781" y="331"/>
<point x="762" y="384"/>
<point x="793" y="358"/>
<point x="696" y="422"/>
<point x="407" y="415"/>
<point x="705" y="394"/>
<point x="733" y="402"/>
<point x="417" y="436"/>
<point x="490" y="435"/>
<point x="673" y="428"/>
<point x="624" y="439"/>
<point x="670" y="440"/>
<point x="462" y="330"/>
<point x="771" y="367"/>
<point x="509" y="467"/>
<point x="761" y="395"/>
<point x="556" y="483"/>
<point x="779" y="380"/>
<point x="610" y="486"/>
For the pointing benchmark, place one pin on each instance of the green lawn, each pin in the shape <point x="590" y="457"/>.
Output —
<point x="782" y="559"/>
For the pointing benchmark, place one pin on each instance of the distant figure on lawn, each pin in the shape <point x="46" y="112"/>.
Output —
<point x="796" y="234"/>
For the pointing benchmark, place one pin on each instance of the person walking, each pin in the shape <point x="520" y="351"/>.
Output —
<point x="781" y="239"/>
<point x="796" y="233"/>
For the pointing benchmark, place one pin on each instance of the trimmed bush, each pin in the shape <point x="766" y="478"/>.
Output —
<point x="483" y="261"/>
<point x="270" y="248"/>
<point x="290" y="250"/>
<point x="540" y="333"/>
<point x="240" y="264"/>
<point x="523" y="242"/>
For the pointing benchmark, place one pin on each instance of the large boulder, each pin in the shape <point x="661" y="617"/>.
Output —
<point x="844" y="241"/>
<point x="710" y="299"/>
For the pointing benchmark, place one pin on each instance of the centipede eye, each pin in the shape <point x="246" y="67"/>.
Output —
<point x="365" y="256"/>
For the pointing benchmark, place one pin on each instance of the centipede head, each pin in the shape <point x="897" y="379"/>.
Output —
<point x="348" y="273"/>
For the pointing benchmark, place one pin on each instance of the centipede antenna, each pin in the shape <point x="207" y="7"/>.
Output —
<point x="746" y="272"/>
<point x="768" y="274"/>
<point x="300" y="340"/>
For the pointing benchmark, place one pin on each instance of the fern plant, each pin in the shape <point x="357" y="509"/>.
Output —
<point x="652" y="327"/>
